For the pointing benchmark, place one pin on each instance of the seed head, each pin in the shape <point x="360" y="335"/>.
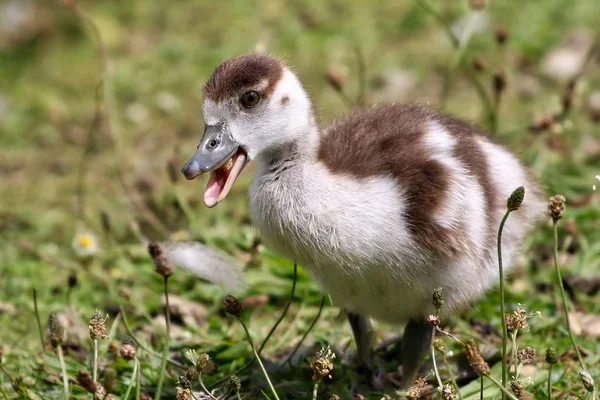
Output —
<point x="184" y="382"/>
<point x="501" y="34"/>
<point x="448" y="392"/>
<point x="128" y="351"/>
<point x="417" y="389"/>
<point x="335" y="397"/>
<point x="55" y="331"/>
<point x="438" y="298"/>
<point x="516" y="199"/>
<point x="72" y="280"/>
<point x="97" y="326"/>
<point x="499" y="82"/>
<point x="183" y="394"/>
<point x="479" y="64"/>
<point x="163" y="266"/>
<point x="587" y="380"/>
<point x="518" y="389"/>
<point x="433" y="320"/>
<point x="516" y="321"/>
<point x="322" y="364"/>
<point x="87" y="382"/>
<point x="556" y="207"/>
<point x="335" y="80"/>
<point x="479" y="365"/>
<point x="526" y="355"/>
<point x="477" y="4"/>
<point x="551" y="356"/>
<point x="232" y="306"/>
<point x="233" y="383"/>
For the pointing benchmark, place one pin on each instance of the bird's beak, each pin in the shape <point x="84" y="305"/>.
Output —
<point x="219" y="154"/>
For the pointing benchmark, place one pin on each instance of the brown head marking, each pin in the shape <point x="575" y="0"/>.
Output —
<point x="241" y="73"/>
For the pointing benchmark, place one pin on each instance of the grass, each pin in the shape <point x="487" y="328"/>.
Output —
<point x="66" y="169"/>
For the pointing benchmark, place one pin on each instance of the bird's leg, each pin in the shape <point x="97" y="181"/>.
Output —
<point x="416" y="342"/>
<point x="362" y="331"/>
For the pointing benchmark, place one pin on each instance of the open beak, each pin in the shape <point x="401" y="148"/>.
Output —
<point x="222" y="157"/>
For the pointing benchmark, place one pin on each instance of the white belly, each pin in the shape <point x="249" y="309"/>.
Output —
<point x="352" y="237"/>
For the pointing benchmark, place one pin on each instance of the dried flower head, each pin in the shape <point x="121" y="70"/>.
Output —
<point x="335" y="397"/>
<point x="183" y="394"/>
<point x="526" y="355"/>
<point x="438" y="298"/>
<point x="587" y="380"/>
<point x="541" y="122"/>
<point x="128" y="348"/>
<point x="551" y="356"/>
<point x="87" y="382"/>
<point x="499" y="81"/>
<point x="199" y="362"/>
<point x="448" y="392"/>
<point x="516" y="321"/>
<point x="417" y="389"/>
<point x="322" y="364"/>
<point x="477" y="4"/>
<point x="479" y="64"/>
<point x="335" y="79"/>
<point x="232" y="306"/>
<point x="516" y="199"/>
<point x="556" y="207"/>
<point x="72" y="280"/>
<point x="479" y="365"/>
<point x="433" y="320"/>
<point x="518" y="389"/>
<point x="184" y="382"/>
<point x="55" y="331"/>
<point x="501" y="34"/>
<point x="163" y="266"/>
<point x="233" y="383"/>
<point x="97" y="326"/>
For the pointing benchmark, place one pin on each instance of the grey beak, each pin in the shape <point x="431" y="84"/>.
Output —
<point x="216" y="147"/>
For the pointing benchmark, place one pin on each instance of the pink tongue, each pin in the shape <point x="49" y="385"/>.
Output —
<point x="214" y="187"/>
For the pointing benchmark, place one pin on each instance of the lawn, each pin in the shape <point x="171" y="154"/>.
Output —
<point x="100" y="106"/>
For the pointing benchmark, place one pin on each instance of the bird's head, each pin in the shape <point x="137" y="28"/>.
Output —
<point x="253" y="105"/>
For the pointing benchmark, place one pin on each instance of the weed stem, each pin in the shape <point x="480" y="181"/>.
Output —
<point x="435" y="368"/>
<point x="140" y="344"/>
<point x="285" y="310"/>
<point x="313" y="323"/>
<point x="550" y="382"/>
<point x="63" y="368"/>
<point x="258" y="357"/>
<point x="315" y="391"/>
<point x="501" y="278"/>
<point x="165" y="355"/>
<point x="502" y="388"/>
<point x="133" y="379"/>
<point x="95" y="366"/>
<point x="37" y="318"/>
<point x="564" y="297"/>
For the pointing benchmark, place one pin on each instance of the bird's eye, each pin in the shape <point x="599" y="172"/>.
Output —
<point x="213" y="143"/>
<point x="250" y="99"/>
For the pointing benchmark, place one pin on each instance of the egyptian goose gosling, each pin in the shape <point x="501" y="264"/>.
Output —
<point x="381" y="207"/>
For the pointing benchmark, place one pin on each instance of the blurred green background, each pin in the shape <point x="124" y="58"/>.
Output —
<point x="93" y="133"/>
